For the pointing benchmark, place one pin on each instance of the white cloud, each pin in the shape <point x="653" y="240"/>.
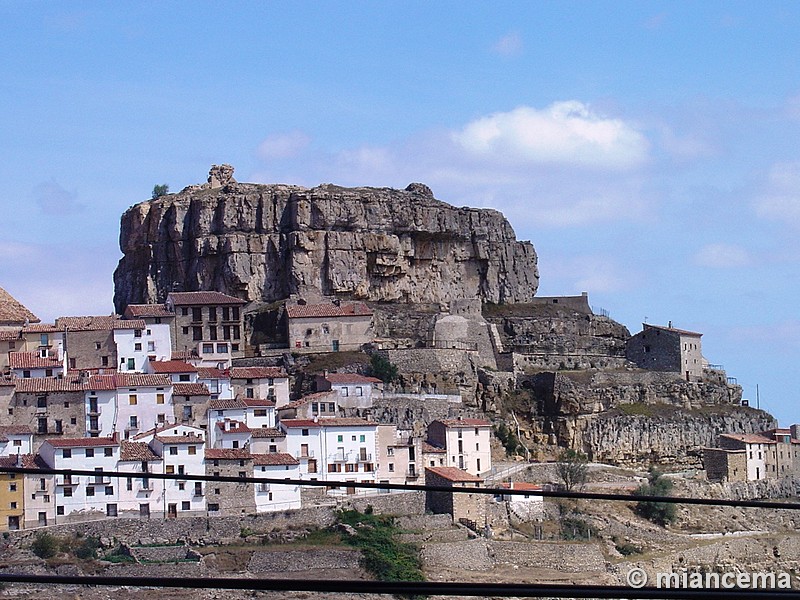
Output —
<point x="722" y="256"/>
<point x="283" y="145"/>
<point x="509" y="45"/>
<point x="567" y="133"/>
<point x="781" y="198"/>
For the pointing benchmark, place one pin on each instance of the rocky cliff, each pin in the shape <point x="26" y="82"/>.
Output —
<point x="265" y="242"/>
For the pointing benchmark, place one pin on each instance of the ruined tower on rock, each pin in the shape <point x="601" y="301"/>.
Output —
<point x="263" y="243"/>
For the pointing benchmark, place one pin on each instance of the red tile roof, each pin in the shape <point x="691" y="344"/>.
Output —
<point x="40" y="328"/>
<point x="156" y="430"/>
<point x="232" y="427"/>
<point x="266" y="432"/>
<point x="274" y="459"/>
<point x="172" y="366"/>
<point x="328" y="309"/>
<point x="92" y="442"/>
<point x="201" y="298"/>
<point x="464" y="423"/>
<point x="748" y="438"/>
<point x="226" y="404"/>
<point x="454" y="474"/>
<point x="522" y="486"/>
<point x="227" y="454"/>
<point x="257" y="373"/>
<point x="13" y="311"/>
<point x="127" y="380"/>
<point x="328" y="422"/>
<point x="257" y="402"/>
<point x="8" y="430"/>
<point x="185" y="355"/>
<point x="32" y="360"/>
<point x="95" y="323"/>
<point x="34" y="461"/>
<point x="431" y="449"/>
<point x="134" y="311"/>
<point x="34" y="385"/>
<point x="9" y="335"/>
<point x="190" y="389"/>
<point x="138" y="451"/>
<point x="179" y="439"/>
<point x="212" y="373"/>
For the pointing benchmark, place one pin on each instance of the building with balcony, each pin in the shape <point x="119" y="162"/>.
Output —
<point x="140" y="495"/>
<point x="276" y="496"/>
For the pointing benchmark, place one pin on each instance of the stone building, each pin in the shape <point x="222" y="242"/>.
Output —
<point x="90" y="345"/>
<point x="462" y="506"/>
<point x="230" y="498"/>
<point x="354" y="390"/>
<point x="329" y="327"/>
<point x="49" y="406"/>
<point x="723" y="464"/>
<point x="210" y="323"/>
<point x="659" y="348"/>
<point x="757" y="455"/>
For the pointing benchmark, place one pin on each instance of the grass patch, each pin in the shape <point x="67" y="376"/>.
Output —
<point x="382" y="555"/>
<point x="643" y="409"/>
<point x="330" y="361"/>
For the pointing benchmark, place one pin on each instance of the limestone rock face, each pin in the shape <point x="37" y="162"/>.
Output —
<point x="265" y="242"/>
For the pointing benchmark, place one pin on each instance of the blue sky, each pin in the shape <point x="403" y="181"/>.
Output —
<point x="649" y="150"/>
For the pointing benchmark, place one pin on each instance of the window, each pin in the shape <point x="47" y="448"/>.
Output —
<point x="151" y="346"/>
<point x="137" y="347"/>
<point x="192" y="450"/>
<point x="170" y="470"/>
<point x="111" y="510"/>
<point x="304" y="432"/>
<point x="222" y="348"/>
<point x="26" y="374"/>
<point x="362" y="438"/>
<point x="391" y="467"/>
<point x="108" y="452"/>
<point x="236" y="332"/>
<point x="185" y="505"/>
<point x="350" y="468"/>
<point x="234" y="347"/>
<point x="213" y="507"/>
<point x="343" y="392"/>
<point x="181" y="486"/>
<point x="184" y="377"/>
<point x="359" y="391"/>
<point x="18" y="442"/>
<point x="137" y="333"/>
<point x="59" y="510"/>
<point x="68" y="492"/>
<point x="41" y="425"/>
<point x="134" y="422"/>
<point x="173" y="450"/>
<point x="129" y="484"/>
<point x="315" y="407"/>
<point x="184" y="311"/>
<point x="104" y="360"/>
<point x="235" y="443"/>
<point x="44" y="340"/>
<point x="212" y="333"/>
<point x="249" y="393"/>
<point x="160" y="417"/>
<point x="12" y="487"/>
<point x="159" y="398"/>
<point x="185" y="330"/>
<point x="226" y="332"/>
<point x="89" y="452"/>
<point x="226" y="313"/>
<point x="41" y="402"/>
<point x="133" y="399"/>
<point x="66" y="453"/>
<point x="235" y="314"/>
<point x="197" y="333"/>
<point x="73" y="363"/>
<point x="48" y="372"/>
<point x="180" y="469"/>
<point x="212" y="314"/>
<point x="331" y="407"/>
<point x="90" y="491"/>
<point x="208" y="348"/>
<point x="131" y="364"/>
<point x="390" y="451"/>
<point x="197" y="314"/>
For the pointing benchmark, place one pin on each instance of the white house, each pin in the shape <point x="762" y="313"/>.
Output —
<point x="179" y="371"/>
<point x="466" y="442"/>
<point x="337" y="449"/>
<point x="140" y="495"/>
<point x="218" y="381"/>
<point x="81" y="497"/>
<point x="15" y="439"/>
<point x="276" y="496"/>
<point x="231" y="434"/>
<point x="267" y="440"/>
<point x="266" y="383"/>
<point x="136" y="347"/>
<point x="182" y="449"/>
<point x="42" y="363"/>
<point x="755" y="448"/>
<point x="355" y="391"/>
<point x="141" y="401"/>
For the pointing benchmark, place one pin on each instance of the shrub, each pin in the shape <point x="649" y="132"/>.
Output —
<point x="573" y="468"/>
<point x="160" y="190"/>
<point x="383" y="369"/>
<point x="660" y="513"/>
<point x="575" y="528"/>
<point x="87" y="548"/>
<point x="45" y="545"/>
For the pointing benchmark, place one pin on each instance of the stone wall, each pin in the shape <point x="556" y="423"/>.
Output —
<point x="727" y="465"/>
<point x="275" y="563"/>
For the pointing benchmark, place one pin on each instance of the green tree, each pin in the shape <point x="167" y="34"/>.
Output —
<point x="45" y="545"/>
<point x="573" y="468"/>
<point x="160" y="190"/>
<point x="660" y="513"/>
<point x="383" y="369"/>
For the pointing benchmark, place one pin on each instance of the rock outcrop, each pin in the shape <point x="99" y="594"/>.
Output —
<point x="263" y="243"/>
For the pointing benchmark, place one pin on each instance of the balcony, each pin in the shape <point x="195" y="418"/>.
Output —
<point x="349" y="457"/>
<point x="100" y="480"/>
<point x="67" y="481"/>
<point x="306" y="454"/>
<point x="262" y="487"/>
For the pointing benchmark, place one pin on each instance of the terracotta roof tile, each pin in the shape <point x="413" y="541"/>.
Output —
<point x="257" y="373"/>
<point x="32" y="360"/>
<point x="179" y="439"/>
<point x="748" y="438"/>
<point x="266" y="432"/>
<point x="172" y="366"/>
<point x="431" y="449"/>
<point x="212" y="373"/>
<point x="138" y="451"/>
<point x="13" y="311"/>
<point x="140" y="311"/>
<point x="127" y="380"/>
<point x="328" y="309"/>
<point x="7" y="430"/>
<point x="92" y="442"/>
<point x="274" y="459"/>
<point x="232" y="427"/>
<point x="227" y="454"/>
<point x="257" y="402"/>
<point x="454" y="474"/>
<point x="34" y="461"/>
<point x="95" y="323"/>
<point x="9" y="335"/>
<point x="190" y="389"/>
<point x="34" y="385"/>
<point x="202" y="298"/>
<point x="672" y="329"/>
<point x="226" y="404"/>
<point x="40" y="328"/>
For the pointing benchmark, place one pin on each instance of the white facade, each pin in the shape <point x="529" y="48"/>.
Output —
<point x="274" y="496"/>
<point x="217" y="381"/>
<point x="141" y="407"/>
<point x="182" y="449"/>
<point x="266" y="383"/>
<point x="466" y="443"/>
<point x="81" y="496"/>
<point x="134" y="346"/>
<point x="40" y="493"/>
<point x="101" y="412"/>
<point x="15" y="440"/>
<point x="140" y="495"/>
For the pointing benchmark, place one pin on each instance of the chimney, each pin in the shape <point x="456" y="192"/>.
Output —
<point x="670" y="325"/>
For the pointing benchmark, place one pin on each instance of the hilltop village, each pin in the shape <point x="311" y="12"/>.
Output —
<point x="342" y="364"/>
